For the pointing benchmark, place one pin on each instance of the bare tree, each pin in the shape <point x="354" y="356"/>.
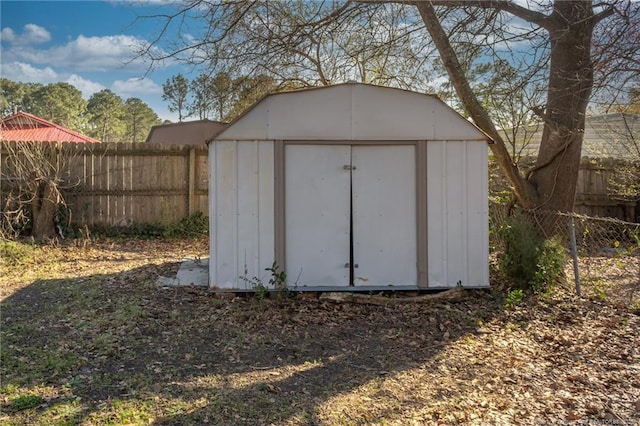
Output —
<point x="34" y="175"/>
<point x="565" y="45"/>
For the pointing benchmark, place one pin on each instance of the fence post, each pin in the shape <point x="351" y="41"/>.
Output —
<point x="574" y="255"/>
<point x="192" y="181"/>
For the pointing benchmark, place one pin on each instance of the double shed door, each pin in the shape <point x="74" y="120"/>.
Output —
<point x="350" y="215"/>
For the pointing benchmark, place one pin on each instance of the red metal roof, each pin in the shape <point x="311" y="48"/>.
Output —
<point x="23" y="126"/>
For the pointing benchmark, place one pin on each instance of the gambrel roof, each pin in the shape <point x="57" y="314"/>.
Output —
<point x="351" y="111"/>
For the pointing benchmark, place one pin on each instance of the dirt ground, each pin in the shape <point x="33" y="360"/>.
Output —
<point x="88" y="338"/>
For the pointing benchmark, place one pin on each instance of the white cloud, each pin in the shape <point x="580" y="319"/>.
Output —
<point x="87" y="87"/>
<point x="136" y="86"/>
<point x="31" y="34"/>
<point x="34" y="34"/>
<point x="7" y="35"/>
<point x="20" y="71"/>
<point x="86" y="54"/>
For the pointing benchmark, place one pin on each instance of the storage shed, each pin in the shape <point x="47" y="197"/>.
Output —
<point x="349" y="187"/>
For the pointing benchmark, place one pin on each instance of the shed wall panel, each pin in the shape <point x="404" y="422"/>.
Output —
<point x="242" y="216"/>
<point x="457" y="214"/>
<point x="477" y="212"/>
<point x="455" y="191"/>
<point x="436" y="214"/>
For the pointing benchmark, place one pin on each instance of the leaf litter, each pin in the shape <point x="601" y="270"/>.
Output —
<point x="86" y="328"/>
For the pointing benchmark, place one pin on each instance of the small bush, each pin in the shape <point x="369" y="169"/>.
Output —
<point x="530" y="260"/>
<point x="195" y="225"/>
<point x="189" y="227"/>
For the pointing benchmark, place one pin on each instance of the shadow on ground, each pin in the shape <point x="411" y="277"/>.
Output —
<point x="117" y="348"/>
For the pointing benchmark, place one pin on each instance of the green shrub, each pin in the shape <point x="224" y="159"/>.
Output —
<point x="530" y="260"/>
<point x="189" y="227"/>
<point x="195" y="225"/>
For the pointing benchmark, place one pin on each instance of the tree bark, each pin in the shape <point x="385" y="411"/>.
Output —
<point x="551" y="185"/>
<point x="555" y="174"/>
<point x="525" y="193"/>
<point x="45" y="203"/>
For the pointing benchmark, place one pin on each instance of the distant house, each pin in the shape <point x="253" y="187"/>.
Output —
<point x="614" y="135"/>
<point x="197" y="132"/>
<point x="610" y="142"/>
<point x="25" y="127"/>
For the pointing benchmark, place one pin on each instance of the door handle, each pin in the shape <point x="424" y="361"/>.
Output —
<point x="348" y="265"/>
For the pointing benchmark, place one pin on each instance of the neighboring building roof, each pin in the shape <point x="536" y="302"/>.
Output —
<point x="185" y="133"/>
<point x="614" y="135"/>
<point x="26" y="127"/>
<point x="351" y="111"/>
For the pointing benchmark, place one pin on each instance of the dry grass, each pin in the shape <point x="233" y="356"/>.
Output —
<point x="87" y="338"/>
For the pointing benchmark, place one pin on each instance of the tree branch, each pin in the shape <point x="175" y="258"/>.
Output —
<point x="523" y="190"/>
<point x="507" y="5"/>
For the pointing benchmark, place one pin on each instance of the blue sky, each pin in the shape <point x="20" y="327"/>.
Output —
<point x="87" y="44"/>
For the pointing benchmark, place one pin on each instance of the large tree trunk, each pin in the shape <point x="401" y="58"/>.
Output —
<point x="45" y="204"/>
<point x="524" y="192"/>
<point x="551" y="185"/>
<point x="555" y="174"/>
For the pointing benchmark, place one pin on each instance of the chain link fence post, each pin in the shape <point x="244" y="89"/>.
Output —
<point x="574" y="255"/>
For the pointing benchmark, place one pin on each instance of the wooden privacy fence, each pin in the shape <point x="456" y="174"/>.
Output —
<point x="594" y="195"/>
<point x="119" y="184"/>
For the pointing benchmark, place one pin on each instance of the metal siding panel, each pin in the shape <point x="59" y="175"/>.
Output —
<point x="383" y="114"/>
<point x="317" y="194"/>
<point x="355" y="112"/>
<point x="213" y="214"/>
<point x="436" y="213"/>
<point x="477" y="215"/>
<point x="305" y="115"/>
<point x="384" y="215"/>
<point x="226" y="220"/>
<point x="266" y="204"/>
<point x="247" y="256"/>
<point x="456" y="223"/>
<point x="253" y="125"/>
<point x="241" y="211"/>
<point x="449" y="125"/>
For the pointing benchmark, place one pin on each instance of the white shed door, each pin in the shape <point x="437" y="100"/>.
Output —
<point x="384" y="215"/>
<point x="339" y="197"/>
<point x="317" y="214"/>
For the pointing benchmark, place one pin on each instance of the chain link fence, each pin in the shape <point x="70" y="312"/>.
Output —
<point x="604" y="253"/>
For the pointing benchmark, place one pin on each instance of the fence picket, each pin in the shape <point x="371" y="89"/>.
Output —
<point x="115" y="184"/>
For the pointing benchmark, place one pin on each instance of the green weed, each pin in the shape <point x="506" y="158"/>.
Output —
<point x="277" y="281"/>
<point x="24" y="402"/>
<point x="514" y="298"/>
<point x="193" y="226"/>
<point x="16" y="253"/>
